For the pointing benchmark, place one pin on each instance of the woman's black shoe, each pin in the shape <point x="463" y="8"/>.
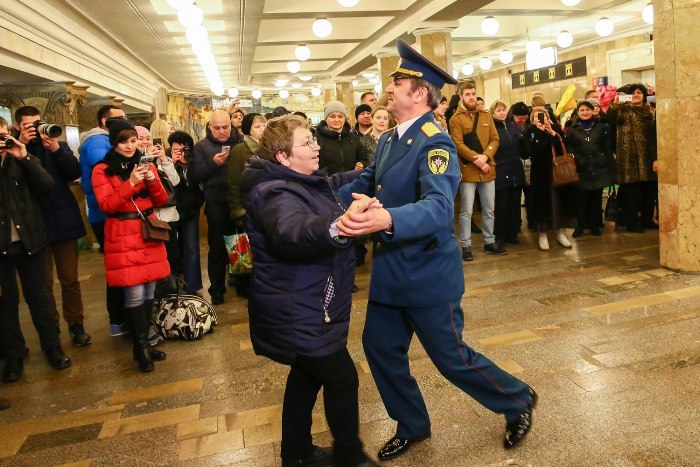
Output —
<point x="319" y="457"/>
<point x="14" y="367"/>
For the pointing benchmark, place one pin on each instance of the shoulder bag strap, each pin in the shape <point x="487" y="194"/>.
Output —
<point x="137" y="209"/>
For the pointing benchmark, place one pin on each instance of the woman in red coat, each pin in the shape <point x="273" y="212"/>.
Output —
<point x="121" y="184"/>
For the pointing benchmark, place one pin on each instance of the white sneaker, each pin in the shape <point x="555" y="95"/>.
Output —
<point x="544" y="243"/>
<point x="561" y="238"/>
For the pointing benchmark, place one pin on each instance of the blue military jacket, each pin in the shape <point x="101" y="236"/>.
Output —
<point x="416" y="179"/>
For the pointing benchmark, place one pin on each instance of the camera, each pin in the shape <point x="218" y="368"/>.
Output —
<point x="8" y="142"/>
<point x="49" y="129"/>
<point x="187" y="153"/>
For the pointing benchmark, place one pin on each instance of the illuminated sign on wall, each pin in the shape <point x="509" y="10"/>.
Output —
<point x="564" y="70"/>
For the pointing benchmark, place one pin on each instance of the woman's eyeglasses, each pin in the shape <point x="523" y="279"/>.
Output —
<point x="312" y="143"/>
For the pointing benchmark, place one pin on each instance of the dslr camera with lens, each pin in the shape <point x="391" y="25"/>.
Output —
<point x="49" y="129"/>
<point x="8" y="142"/>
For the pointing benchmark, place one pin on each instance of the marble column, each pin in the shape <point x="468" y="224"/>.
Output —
<point x="678" y="109"/>
<point x="76" y="97"/>
<point x="345" y="94"/>
<point x="435" y="44"/>
<point x="387" y="61"/>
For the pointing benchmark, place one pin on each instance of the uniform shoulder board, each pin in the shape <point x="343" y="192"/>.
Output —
<point x="430" y="129"/>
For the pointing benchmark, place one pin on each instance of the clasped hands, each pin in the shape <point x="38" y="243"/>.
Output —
<point x="364" y="216"/>
<point x="482" y="162"/>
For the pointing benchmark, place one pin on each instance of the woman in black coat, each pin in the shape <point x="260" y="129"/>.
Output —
<point x="553" y="208"/>
<point x="300" y="292"/>
<point x="341" y="149"/>
<point x="510" y="176"/>
<point x="591" y="143"/>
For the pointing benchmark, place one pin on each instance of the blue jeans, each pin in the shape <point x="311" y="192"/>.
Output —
<point x="487" y="196"/>
<point x="135" y="295"/>
<point x="188" y="236"/>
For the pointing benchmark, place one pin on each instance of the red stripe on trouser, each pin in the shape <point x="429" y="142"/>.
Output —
<point x="464" y="360"/>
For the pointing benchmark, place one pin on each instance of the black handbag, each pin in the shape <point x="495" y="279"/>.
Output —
<point x="612" y="205"/>
<point x="169" y="189"/>
<point x="471" y="139"/>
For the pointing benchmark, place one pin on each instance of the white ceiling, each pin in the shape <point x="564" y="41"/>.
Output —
<point x="254" y="39"/>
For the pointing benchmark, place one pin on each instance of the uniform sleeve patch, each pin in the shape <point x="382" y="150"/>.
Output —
<point x="438" y="160"/>
<point x="430" y="129"/>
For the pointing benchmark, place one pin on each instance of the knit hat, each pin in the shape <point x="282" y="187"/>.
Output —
<point x="247" y="122"/>
<point x="334" y="106"/>
<point x="116" y="125"/>
<point x="594" y="101"/>
<point x="362" y="108"/>
<point x="520" y="109"/>
<point x="142" y="131"/>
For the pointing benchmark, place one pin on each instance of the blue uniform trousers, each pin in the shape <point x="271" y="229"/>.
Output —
<point x="386" y="339"/>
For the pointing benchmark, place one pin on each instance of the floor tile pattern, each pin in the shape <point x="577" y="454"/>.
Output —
<point x="607" y="337"/>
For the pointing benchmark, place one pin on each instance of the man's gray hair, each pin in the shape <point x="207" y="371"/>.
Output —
<point x="434" y="93"/>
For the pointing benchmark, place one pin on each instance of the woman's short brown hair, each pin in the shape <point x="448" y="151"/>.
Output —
<point x="278" y="136"/>
<point x="125" y="135"/>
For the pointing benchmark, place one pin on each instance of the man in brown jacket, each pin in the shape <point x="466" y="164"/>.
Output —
<point x="476" y="153"/>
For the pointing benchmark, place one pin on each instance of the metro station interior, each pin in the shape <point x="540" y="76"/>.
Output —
<point x="606" y="331"/>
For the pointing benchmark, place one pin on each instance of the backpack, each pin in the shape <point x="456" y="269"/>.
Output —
<point x="180" y="316"/>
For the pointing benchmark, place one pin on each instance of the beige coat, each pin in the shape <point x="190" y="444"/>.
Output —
<point x="461" y="123"/>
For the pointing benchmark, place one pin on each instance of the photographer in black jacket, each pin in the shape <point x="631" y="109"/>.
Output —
<point x="61" y="213"/>
<point x="189" y="199"/>
<point x="23" y="242"/>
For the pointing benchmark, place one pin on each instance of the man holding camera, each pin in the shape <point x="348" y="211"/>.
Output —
<point x="23" y="241"/>
<point x="61" y="215"/>
<point x="209" y="166"/>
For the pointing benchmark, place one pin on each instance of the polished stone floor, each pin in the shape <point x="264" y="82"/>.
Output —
<point x="608" y="338"/>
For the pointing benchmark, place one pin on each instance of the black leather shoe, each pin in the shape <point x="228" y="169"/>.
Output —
<point x="577" y="232"/>
<point x="516" y="430"/>
<point x="13" y="370"/>
<point x="78" y="335"/>
<point x="157" y="355"/>
<point x="355" y="288"/>
<point x="397" y="446"/>
<point x="318" y="457"/>
<point x="596" y="231"/>
<point x="57" y="359"/>
<point x="217" y="299"/>
<point x="495" y="249"/>
<point x="467" y="254"/>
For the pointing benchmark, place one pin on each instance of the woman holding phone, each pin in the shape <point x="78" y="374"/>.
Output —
<point x="123" y="187"/>
<point x="553" y="208"/>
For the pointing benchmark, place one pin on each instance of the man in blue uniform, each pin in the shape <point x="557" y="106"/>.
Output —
<point x="417" y="277"/>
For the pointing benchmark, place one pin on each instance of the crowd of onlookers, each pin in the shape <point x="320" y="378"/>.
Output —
<point x="505" y="155"/>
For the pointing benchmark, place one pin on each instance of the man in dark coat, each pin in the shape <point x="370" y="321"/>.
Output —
<point x="209" y="166"/>
<point x="63" y="220"/>
<point x="23" y="241"/>
<point x="417" y="277"/>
